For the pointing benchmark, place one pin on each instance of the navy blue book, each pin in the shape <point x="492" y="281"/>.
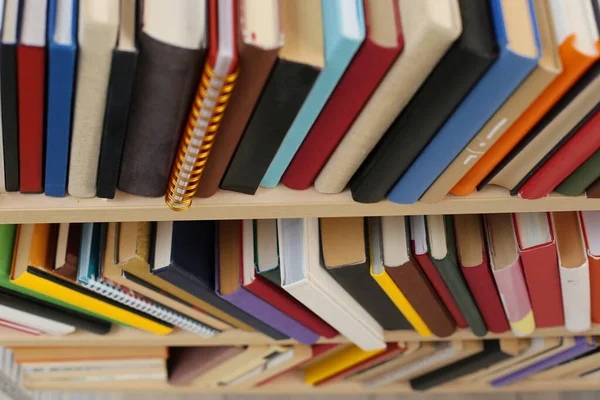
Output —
<point x="62" y="55"/>
<point x="183" y="254"/>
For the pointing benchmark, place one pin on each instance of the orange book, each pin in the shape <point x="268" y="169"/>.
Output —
<point x="591" y="230"/>
<point x="576" y="56"/>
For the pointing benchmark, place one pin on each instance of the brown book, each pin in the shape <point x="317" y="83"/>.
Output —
<point x="185" y="364"/>
<point x="259" y="42"/>
<point x="67" y="250"/>
<point x="407" y="275"/>
<point x="593" y="192"/>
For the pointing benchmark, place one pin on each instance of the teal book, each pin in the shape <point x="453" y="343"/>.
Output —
<point x="344" y="31"/>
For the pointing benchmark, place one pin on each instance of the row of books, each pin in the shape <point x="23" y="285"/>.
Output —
<point x="306" y="278"/>
<point x="422" y="365"/>
<point x="300" y="92"/>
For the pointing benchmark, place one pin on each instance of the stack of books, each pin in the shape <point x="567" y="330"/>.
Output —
<point x="178" y="101"/>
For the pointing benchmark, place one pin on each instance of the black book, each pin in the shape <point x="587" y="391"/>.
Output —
<point x="186" y="258"/>
<point x="10" y="115"/>
<point x="43" y="309"/>
<point x="491" y="354"/>
<point x="122" y="76"/>
<point x="451" y="80"/>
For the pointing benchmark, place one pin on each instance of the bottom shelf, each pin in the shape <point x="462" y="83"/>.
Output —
<point x="294" y="383"/>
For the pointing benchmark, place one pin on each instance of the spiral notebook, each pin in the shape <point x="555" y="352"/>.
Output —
<point x="212" y="96"/>
<point x="89" y="276"/>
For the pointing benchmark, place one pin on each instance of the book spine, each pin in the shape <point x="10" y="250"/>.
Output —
<point x="575" y="286"/>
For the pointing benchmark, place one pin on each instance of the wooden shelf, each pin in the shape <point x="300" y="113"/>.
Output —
<point x="279" y="202"/>
<point x="121" y="336"/>
<point x="294" y="383"/>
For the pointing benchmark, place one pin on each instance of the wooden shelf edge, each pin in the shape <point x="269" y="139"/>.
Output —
<point x="121" y="336"/>
<point x="278" y="202"/>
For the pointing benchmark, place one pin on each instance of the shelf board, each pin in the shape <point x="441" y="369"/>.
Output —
<point x="278" y="202"/>
<point x="122" y="336"/>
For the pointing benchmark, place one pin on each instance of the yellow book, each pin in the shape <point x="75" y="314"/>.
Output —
<point x="32" y="269"/>
<point x="337" y="363"/>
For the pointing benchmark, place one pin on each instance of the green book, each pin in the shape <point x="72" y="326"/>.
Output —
<point x="7" y="244"/>
<point x="441" y="246"/>
<point x="582" y="178"/>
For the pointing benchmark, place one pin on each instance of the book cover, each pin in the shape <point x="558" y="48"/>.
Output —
<point x="590" y="221"/>
<point x="184" y="365"/>
<point x="582" y="178"/>
<point x="62" y="56"/>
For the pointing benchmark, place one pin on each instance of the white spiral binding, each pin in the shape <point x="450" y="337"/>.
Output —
<point x="147" y="307"/>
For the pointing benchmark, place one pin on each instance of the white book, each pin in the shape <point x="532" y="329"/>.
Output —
<point x="97" y="32"/>
<point x="45" y="325"/>
<point x="429" y="27"/>
<point x="304" y="277"/>
<point x="574" y="270"/>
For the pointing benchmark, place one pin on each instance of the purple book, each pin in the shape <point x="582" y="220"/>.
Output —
<point x="582" y="345"/>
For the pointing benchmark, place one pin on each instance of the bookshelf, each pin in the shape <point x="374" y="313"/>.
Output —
<point x="278" y="202"/>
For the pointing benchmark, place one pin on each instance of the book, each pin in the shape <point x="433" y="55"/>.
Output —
<point x="548" y="68"/>
<point x="537" y="249"/>
<point x="118" y="100"/>
<point x="411" y="131"/>
<point x="580" y="147"/>
<point x="97" y="34"/>
<point x="336" y="363"/>
<point x="172" y="49"/>
<point x="475" y="267"/>
<point x="127" y="263"/>
<point x="230" y="279"/>
<point x="183" y="363"/>
<point x="259" y="40"/>
<point x="590" y="222"/>
<point x="62" y="57"/>
<point x="557" y="124"/>
<point x="441" y="243"/>
<point x="412" y="282"/>
<point x="428" y="29"/>
<point x="304" y="277"/>
<point x="379" y="274"/>
<point x="92" y="274"/>
<point x="491" y="354"/>
<point x="32" y="269"/>
<point x="2" y="169"/>
<point x="574" y="270"/>
<point x="185" y="256"/>
<point x="377" y="53"/>
<point x="420" y="249"/>
<point x="344" y="33"/>
<point x="67" y="250"/>
<point x="10" y="94"/>
<point x="266" y="259"/>
<point x="577" y="53"/>
<point x="593" y="190"/>
<point x="516" y="37"/>
<point x="212" y="97"/>
<point x="31" y="76"/>
<point x="582" y="178"/>
<point x="28" y="355"/>
<point x="508" y="272"/>
<point x="570" y="368"/>
<point x="267" y="290"/>
<point x="300" y="62"/>
<point x="572" y="348"/>
<point x="344" y="246"/>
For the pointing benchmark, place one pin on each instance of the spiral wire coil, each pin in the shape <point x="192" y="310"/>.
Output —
<point x="199" y="136"/>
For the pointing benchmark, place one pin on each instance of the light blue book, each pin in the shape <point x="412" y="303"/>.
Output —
<point x="344" y="31"/>
<point x="62" y="54"/>
<point x="517" y="58"/>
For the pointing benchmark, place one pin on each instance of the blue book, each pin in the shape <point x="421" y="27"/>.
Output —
<point x="89" y="254"/>
<point x="492" y="90"/>
<point x="344" y="31"/>
<point x="62" y="56"/>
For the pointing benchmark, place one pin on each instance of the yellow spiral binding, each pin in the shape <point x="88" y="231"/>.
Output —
<point x="194" y="148"/>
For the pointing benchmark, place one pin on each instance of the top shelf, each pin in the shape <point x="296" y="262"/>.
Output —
<point x="279" y="202"/>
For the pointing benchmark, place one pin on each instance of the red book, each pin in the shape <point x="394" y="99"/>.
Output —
<point x="537" y="249"/>
<point x="362" y="77"/>
<point x="392" y="351"/>
<point x="31" y="83"/>
<point x="591" y="228"/>
<point x="565" y="161"/>
<point x="273" y="294"/>
<point x="419" y="249"/>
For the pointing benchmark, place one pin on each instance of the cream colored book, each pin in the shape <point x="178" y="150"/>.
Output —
<point x="548" y="68"/>
<point x="97" y="32"/>
<point x="429" y="27"/>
